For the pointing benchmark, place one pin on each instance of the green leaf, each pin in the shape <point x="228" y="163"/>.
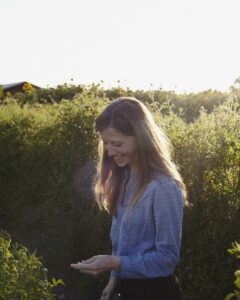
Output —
<point x="230" y="296"/>
<point x="60" y="281"/>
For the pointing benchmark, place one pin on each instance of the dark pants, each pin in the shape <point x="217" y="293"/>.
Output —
<point x="161" y="288"/>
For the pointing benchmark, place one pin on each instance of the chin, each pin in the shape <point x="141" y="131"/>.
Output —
<point x="121" y="165"/>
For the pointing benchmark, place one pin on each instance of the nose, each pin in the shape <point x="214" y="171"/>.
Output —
<point x="111" y="151"/>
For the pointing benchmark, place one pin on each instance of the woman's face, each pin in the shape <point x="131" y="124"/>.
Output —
<point x="122" y="148"/>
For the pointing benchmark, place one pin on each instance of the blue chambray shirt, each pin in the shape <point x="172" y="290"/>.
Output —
<point x="147" y="238"/>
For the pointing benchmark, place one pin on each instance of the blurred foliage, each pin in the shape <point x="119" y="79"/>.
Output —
<point x="22" y="275"/>
<point x="186" y="105"/>
<point x="45" y="140"/>
<point x="27" y="87"/>
<point x="208" y="153"/>
<point x="236" y="293"/>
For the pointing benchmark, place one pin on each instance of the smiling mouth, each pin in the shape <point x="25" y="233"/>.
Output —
<point x="118" y="158"/>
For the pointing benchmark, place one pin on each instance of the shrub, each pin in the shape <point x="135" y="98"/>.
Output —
<point x="236" y="293"/>
<point x="22" y="274"/>
<point x="42" y="149"/>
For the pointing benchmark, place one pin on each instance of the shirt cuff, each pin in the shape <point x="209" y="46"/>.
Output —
<point x="126" y="264"/>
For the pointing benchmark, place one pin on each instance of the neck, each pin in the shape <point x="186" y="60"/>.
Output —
<point x="133" y="174"/>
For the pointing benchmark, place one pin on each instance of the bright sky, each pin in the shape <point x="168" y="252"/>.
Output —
<point x="182" y="45"/>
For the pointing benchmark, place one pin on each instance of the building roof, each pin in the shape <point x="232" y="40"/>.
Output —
<point x="11" y="85"/>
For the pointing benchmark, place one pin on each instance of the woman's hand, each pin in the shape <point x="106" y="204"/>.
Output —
<point x="98" y="264"/>
<point x="107" y="292"/>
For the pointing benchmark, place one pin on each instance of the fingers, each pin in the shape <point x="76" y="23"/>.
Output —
<point x="82" y="265"/>
<point x="88" y="269"/>
<point x="89" y="261"/>
<point x="93" y="266"/>
<point x="75" y="266"/>
<point x="106" y="294"/>
<point x="105" y="297"/>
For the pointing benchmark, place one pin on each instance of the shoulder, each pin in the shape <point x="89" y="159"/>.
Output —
<point x="160" y="180"/>
<point x="164" y="186"/>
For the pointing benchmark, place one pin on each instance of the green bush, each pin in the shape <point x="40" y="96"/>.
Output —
<point x="42" y="149"/>
<point x="186" y="104"/>
<point x="22" y="274"/>
<point x="236" y="293"/>
<point x="208" y="152"/>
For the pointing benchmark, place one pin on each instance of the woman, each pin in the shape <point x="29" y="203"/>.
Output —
<point x="139" y="184"/>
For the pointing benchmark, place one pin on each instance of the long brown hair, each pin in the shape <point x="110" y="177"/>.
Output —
<point x="131" y="117"/>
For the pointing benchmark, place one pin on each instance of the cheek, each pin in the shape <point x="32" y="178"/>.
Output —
<point x="130" y="149"/>
<point x="134" y="150"/>
<point x="132" y="153"/>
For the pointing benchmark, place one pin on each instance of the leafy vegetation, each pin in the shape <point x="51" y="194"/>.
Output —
<point x="22" y="275"/>
<point x="236" y="293"/>
<point x="188" y="105"/>
<point x="46" y="142"/>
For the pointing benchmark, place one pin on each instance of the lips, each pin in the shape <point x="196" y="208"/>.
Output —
<point x="118" y="158"/>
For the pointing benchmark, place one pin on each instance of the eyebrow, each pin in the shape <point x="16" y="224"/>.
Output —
<point x="114" y="141"/>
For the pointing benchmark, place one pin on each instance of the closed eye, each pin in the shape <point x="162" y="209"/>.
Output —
<point x="114" y="144"/>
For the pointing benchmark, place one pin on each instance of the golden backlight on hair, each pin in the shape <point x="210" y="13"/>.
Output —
<point x="130" y="117"/>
